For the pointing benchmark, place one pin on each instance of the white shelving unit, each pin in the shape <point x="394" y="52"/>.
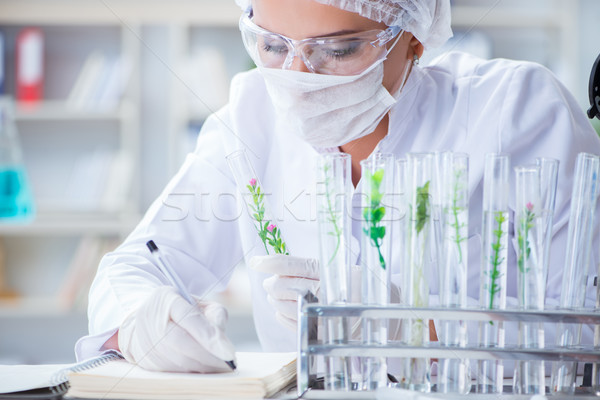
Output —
<point x="39" y="257"/>
<point x="546" y="30"/>
<point x="55" y="128"/>
<point x="208" y="55"/>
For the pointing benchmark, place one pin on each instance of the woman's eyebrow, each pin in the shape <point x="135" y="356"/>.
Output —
<point x="330" y="34"/>
<point x="337" y="33"/>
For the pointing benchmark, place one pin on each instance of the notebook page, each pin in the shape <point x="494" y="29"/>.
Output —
<point x="257" y="375"/>
<point x="16" y="378"/>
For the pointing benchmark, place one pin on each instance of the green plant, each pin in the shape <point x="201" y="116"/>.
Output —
<point x="496" y="259"/>
<point x="456" y="210"/>
<point x="374" y="213"/>
<point x="422" y="206"/>
<point x="269" y="233"/>
<point x="337" y="231"/>
<point x="423" y="215"/>
<point x="525" y="224"/>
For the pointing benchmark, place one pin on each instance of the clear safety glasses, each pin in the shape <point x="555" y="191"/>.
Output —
<point x="349" y="54"/>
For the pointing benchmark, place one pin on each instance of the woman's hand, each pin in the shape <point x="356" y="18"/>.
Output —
<point x="166" y="333"/>
<point x="292" y="276"/>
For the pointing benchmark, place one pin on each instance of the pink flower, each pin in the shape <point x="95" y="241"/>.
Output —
<point x="271" y="227"/>
<point x="252" y="182"/>
<point x="529" y="206"/>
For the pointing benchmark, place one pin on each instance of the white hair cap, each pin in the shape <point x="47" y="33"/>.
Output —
<point x="427" y="20"/>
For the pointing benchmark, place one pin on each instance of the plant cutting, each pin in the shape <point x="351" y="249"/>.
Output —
<point x="494" y="261"/>
<point x="256" y="203"/>
<point x="269" y="233"/>
<point x="377" y="185"/>
<point x="374" y="214"/>
<point x="454" y="373"/>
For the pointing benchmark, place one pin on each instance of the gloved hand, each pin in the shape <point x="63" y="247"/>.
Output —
<point x="166" y="333"/>
<point x="292" y="276"/>
<point x="295" y="275"/>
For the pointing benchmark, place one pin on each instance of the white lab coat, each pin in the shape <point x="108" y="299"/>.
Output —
<point x="459" y="103"/>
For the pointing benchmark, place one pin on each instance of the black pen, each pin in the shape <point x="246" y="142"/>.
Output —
<point x="167" y="270"/>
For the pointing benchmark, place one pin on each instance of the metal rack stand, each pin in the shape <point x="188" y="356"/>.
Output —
<point x="309" y="347"/>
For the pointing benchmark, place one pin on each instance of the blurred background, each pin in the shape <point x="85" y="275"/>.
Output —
<point x="107" y="97"/>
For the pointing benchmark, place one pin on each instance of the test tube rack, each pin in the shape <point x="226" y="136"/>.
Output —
<point x="310" y="348"/>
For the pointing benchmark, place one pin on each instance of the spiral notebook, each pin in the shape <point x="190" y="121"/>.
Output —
<point x="46" y="381"/>
<point x="258" y="375"/>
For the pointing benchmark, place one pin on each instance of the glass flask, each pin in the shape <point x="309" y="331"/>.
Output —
<point x="16" y="199"/>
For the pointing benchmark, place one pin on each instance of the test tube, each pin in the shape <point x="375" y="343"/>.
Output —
<point x="453" y="373"/>
<point x="253" y="194"/>
<point x="415" y="373"/>
<point x="529" y="376"/>
<point x="494" y="255"/>
<point x="400" y="221"/>
<point x="334" y="190"/>
<point x="577" y="260"/>
<point x="548" y="184"/>
<point x="440" y="159"/>
<point x="377" y="187"/>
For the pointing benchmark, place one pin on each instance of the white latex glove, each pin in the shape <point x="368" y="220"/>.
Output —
<point x="292" y="276"/>
<point x="166" y="333"/>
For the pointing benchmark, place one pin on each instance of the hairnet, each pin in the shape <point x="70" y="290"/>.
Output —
<point x="427" y="20"/>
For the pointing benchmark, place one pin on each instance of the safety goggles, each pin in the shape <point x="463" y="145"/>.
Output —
<point x="349" y="54"/>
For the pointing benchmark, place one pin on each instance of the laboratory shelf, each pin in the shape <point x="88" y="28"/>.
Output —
<point x="31" y="307"/>
<point x="71" y="224"/>
<point x="58" y="110"/>
<point x="121" y="12"/>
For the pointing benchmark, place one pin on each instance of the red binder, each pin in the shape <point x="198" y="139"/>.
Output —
<point x="30" y="65"/>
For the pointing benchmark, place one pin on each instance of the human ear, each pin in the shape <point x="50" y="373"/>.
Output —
<point x="417" y="47"/>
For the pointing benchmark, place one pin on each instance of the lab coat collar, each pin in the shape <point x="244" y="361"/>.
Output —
<point x="401" y="112"/>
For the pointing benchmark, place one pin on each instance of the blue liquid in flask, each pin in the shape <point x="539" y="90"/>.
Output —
<point x="16" y="200"/>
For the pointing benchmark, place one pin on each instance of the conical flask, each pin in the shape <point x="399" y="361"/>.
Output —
<point x="16" y="200"/>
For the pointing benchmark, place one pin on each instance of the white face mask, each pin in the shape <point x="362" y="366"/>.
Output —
<point x="328" y="110"/>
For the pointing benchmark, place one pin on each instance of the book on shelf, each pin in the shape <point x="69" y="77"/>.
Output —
<point x="117" y="187"/>
<point x="88" y="179"/>
<point x="74" y="290"/>
<point x="6" y="293"/>
<point x="30" y="65"/>
<point x="258" y="375"/>
<point x="2" y="61"/>
<point x="100" y="83"/>
<point x="98" y="181"/>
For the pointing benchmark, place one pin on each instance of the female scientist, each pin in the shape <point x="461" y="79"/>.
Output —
<point x="313" y="92"/>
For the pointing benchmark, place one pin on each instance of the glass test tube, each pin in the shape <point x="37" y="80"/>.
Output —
<point x="377" y="187"/>
<point x="415" y="374"/>
<point x="548" y="184"/>
<point x="401" y="205"/>
<point x="529" y="377"/>
<point x="334" y="182"/>
<point x="400" y="217"/>
<point x="400" y="222"/>
<point x="579" y="241"/>
<point x="253" y="194"/>
<point x="494" y="256"/>
<point x="454" y="374"/>
<point x="437" y="214"/>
